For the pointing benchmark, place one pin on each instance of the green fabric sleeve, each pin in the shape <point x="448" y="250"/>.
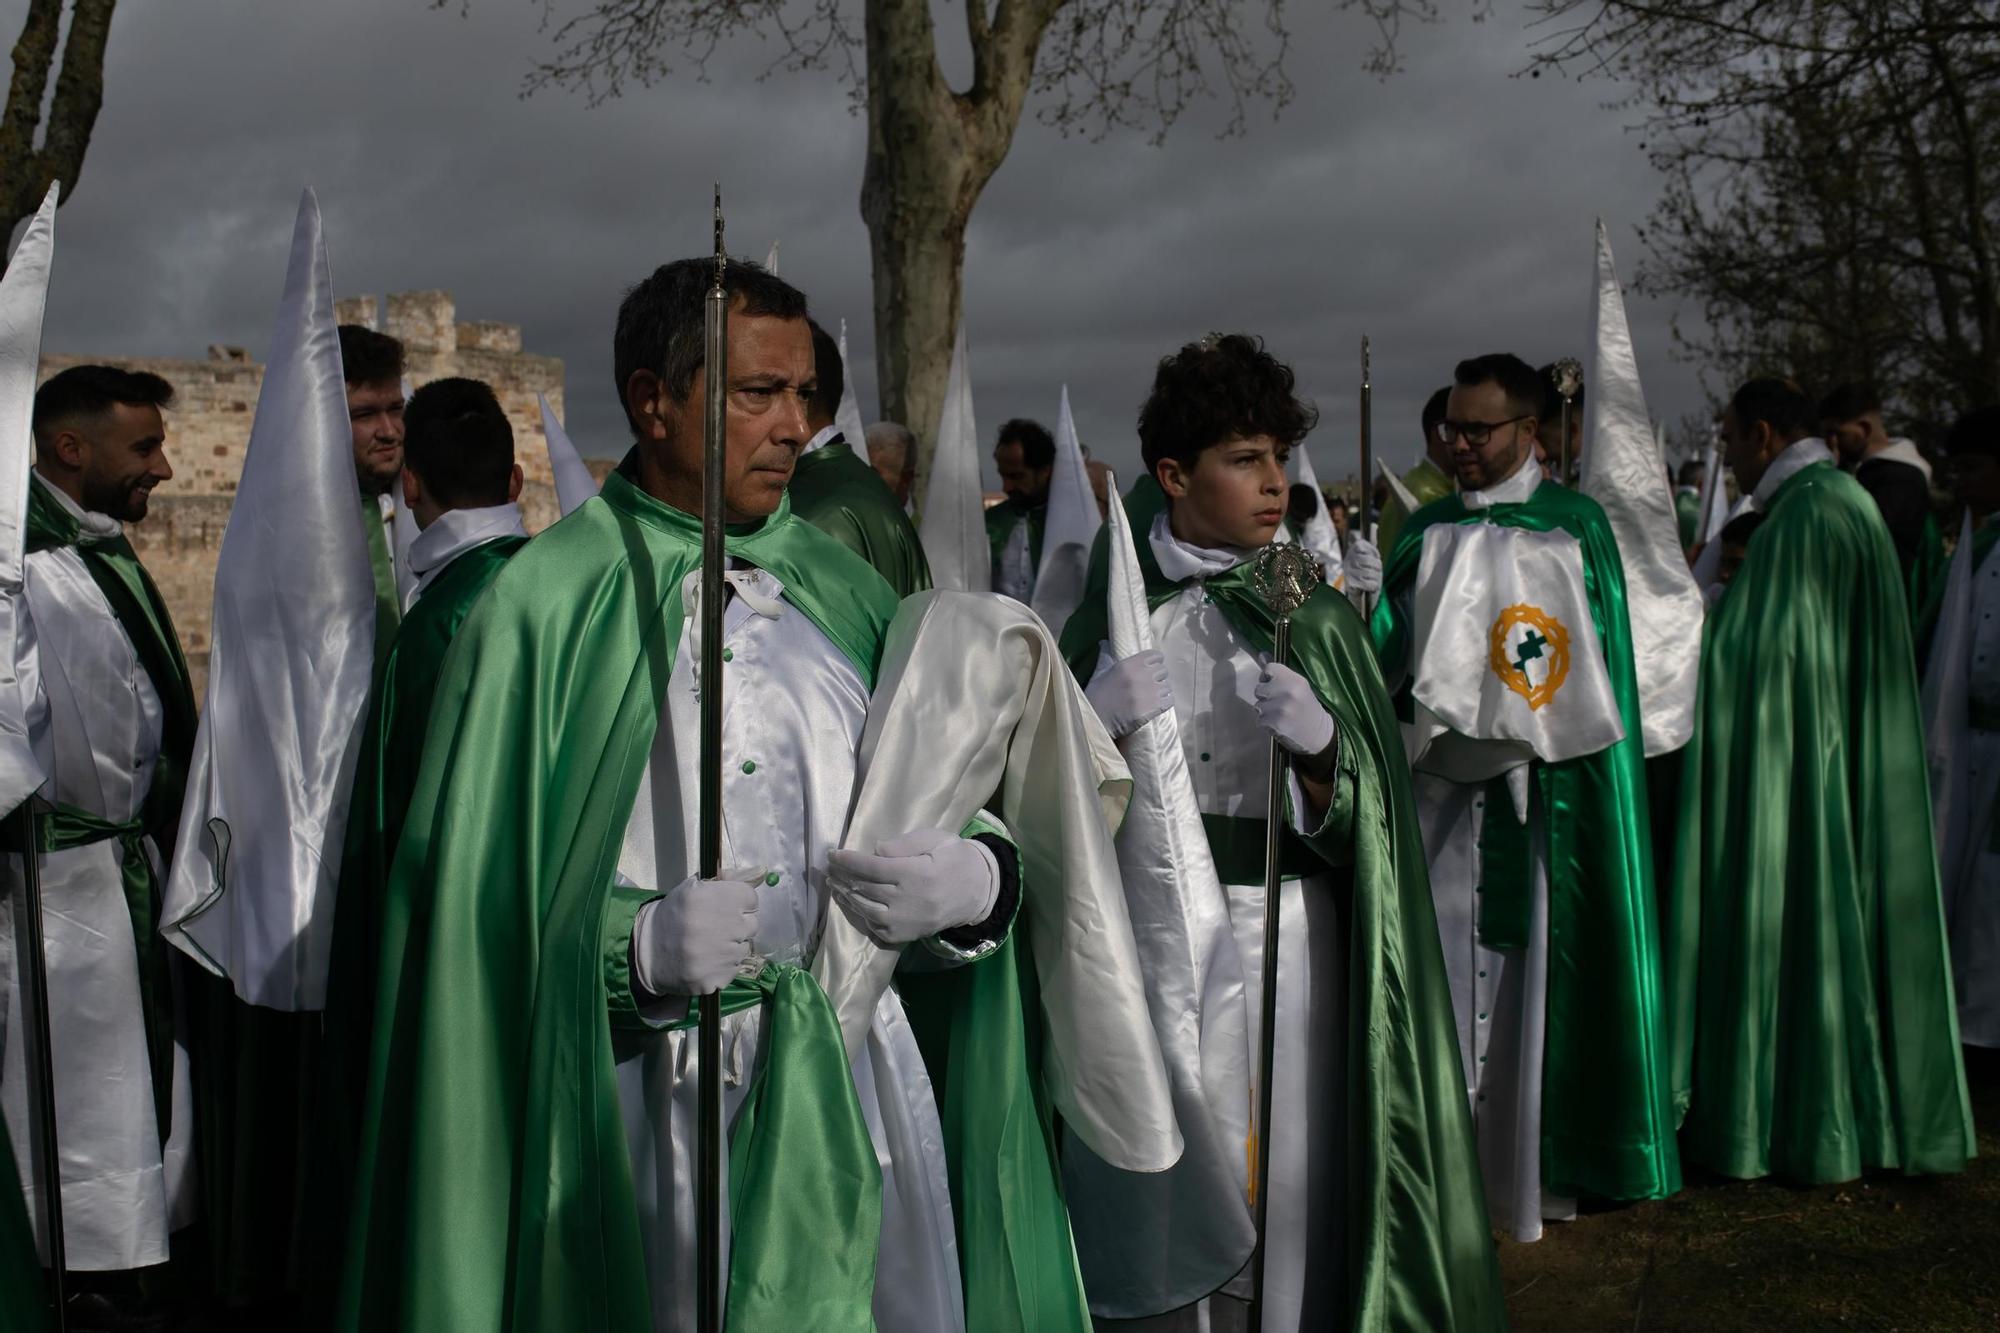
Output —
<point x="621" y="1001"/>
<point x="1333" y="838"/>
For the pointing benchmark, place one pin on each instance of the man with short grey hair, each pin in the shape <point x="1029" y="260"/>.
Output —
<point x="892" y="452"/>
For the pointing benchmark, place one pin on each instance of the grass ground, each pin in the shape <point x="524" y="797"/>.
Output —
<point x="1886" y="1252"/>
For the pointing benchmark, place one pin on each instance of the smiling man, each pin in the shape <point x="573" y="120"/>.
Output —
<point x="373" y="366"/>
<point x="1503" y="633"/>
<point x="544" y="927"/>
<point x="115" y="738"/>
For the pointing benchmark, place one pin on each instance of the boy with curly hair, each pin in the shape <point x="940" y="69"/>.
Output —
<point x="1374" y="1218"/>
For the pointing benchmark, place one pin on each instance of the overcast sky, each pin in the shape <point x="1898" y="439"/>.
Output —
<point x="1445" y="212"/>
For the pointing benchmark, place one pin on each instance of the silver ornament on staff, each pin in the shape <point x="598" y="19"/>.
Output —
<point x="1284" y="575"/>
<point x="1567" y="377"/>
<point x="708" y="1137"/>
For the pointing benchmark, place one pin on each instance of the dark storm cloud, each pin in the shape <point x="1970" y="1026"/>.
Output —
<point x="1445" y="212"/>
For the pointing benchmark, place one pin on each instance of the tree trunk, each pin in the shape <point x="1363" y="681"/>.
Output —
<point x="26" y="170"/>
<point x="930" y="153"/>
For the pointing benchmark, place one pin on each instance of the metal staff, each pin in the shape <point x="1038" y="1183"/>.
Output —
<point x="1367" y="445"/>
<point x="41" y="1051"/>
<point x="708" y="1222"/>
<point x="1284" y="576"/>
<point x="1568" y="376"/>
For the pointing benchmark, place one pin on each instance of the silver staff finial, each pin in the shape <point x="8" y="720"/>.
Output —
<point x="1285" y="575"/>
<point x="1568" y="377"/>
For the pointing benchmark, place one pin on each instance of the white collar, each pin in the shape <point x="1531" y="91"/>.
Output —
<point x="826" y="436"/>
<point x="1518" y="487"/>
<point x="1898" y="451"/>
<point x="91" y="525"/>
<point x="1795" y="458"/>
<point x="1181" y="561"/>
<point x="456" y="531"/>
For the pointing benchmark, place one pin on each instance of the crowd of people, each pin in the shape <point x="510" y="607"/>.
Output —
<point x="1554" y="923"/>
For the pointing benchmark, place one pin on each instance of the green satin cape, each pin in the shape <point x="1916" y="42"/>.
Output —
<point x="494" y="1190"/>
<point x="1813" y="1031"/>
<point x="24" y="1291"/>
<point x="1003" y="518"/>
<point x="1607" y="1126"/>
<point x="383" y="776"/>
<point x="838" y="493"/>
<point x="1418" y="1252"/>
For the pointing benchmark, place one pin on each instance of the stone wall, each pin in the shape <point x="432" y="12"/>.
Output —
<point x="215" y="401"/>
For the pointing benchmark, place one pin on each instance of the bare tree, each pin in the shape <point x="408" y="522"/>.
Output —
<point x="1833" y="182"/>
<point x="1097" y="65"/>
<point x="25" y="169"/>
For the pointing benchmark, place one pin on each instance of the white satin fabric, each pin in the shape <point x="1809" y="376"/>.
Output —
<point x="847" y="414"/>
<point x="1795" y="458"/>
<point x="457" y="531"/>
<point x="123" y="1190"/>
<point x="23" y="295"/>
<point x="1014" y="575"/>
<point x="824" y="436"/>
<point x="1072" y="527"/>
<point x="1500" y="999"/>
<point x="975" y="706"/>
<point x="1153" y="1242"/>
<point x="574" y="484"/>
<point x="952" y="525"/>
<point x="1471" y="723"/>
<point x="1623" y="471"/>
<point x="1317" y="533"/>
<point x="257" y="863"/>
<point x="1964" y="670"/>
<point x="1213" y="674"/>
<point x="793" y="708"/>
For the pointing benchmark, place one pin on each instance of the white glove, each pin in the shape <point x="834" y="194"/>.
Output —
<point x="1362" y="567"/>
<point x="1291" y="712"/>
<point x="916" y="885"/>
<point x="696" y="938"/>
<point x="1129" y="694"/>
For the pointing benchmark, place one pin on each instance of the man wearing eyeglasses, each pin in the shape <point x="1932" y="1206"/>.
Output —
<point x="1503" y="636"/>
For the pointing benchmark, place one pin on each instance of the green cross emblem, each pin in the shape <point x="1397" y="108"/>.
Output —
<point x="1531" y="650"/>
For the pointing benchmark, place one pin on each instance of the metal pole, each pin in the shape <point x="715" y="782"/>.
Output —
<point x="1367" y="447"/>
<point x="41" y="1054"/>
<point x="708" y="1226"/>
<point x="1568" y="377"/>
<point x="1285" y="576"/>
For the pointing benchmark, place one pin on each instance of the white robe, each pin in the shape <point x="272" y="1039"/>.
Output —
<point x="1499" y="996"/>
<point x="792" y="717"/>
<point x="1213" y="674"/>
<point x="123" y="1190"/>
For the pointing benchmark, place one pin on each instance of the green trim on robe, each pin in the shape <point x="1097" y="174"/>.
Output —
<point x="838" y="493"/>
<point x="24" y="1291"/>
<point x="494" y="1191"/>
<point x="382" y="567"/>
<point x="383" y="778"/>
<point x="1607" y="1125"/>
<point x="1813" y="1031"/>
<point x="1003" y="518"/>
<point x="1418" y="1255"/>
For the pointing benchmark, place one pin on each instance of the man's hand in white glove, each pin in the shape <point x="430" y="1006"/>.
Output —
<point x="1291" y="712"/>
<point x="1362" y="567"/>
<point x="1129" y="694"/>
<point x="916" y="885"/>
<point x="693" y="940"/>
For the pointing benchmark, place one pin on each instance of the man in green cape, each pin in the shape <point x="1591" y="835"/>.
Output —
<point x="1897" y="475"/>
<point x="373" y="366"/>
<point x="837" y="492"/>
<point x="120" y="724"/>
<point x="1430" y="479"/>
<point x="526" y="1161"/>
<point x="461" y="483"/>
<point x="1025" y="455"/>
<point x="1809" y="982"/>
<point x="1503" y="634"/>
<point x="1375" y="1217"/>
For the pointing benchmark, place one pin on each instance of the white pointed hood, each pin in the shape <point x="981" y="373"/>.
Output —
<point x="953" y="525"/>
<point x="1072" y="526"/>
<point x="251" y="893"/>
<point x="1404" y="495"/>
<point x="574" y="484"/>
<point x="1317" y="533"/>
<point x="847" y="416"/>
<point x="1625" y="474"/>
<point x="23" y="297"/>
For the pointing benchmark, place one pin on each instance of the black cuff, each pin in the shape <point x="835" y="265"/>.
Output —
<point x="1322" y="766"/>
<point x="981" y="934"/>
